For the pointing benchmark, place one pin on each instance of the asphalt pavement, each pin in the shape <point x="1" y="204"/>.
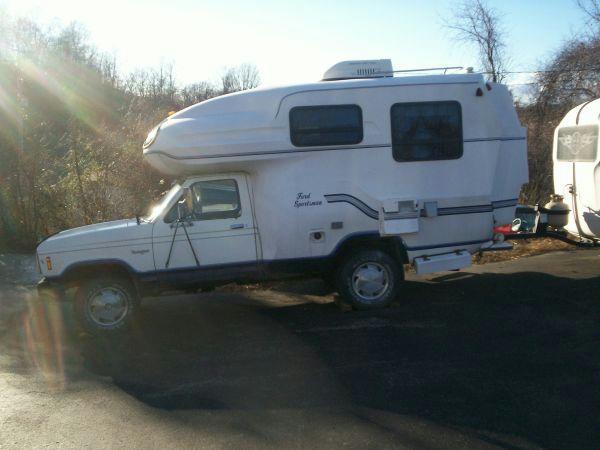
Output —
<point x="499" y="355"/>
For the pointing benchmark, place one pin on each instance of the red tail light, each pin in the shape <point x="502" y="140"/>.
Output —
<point x="503" y="229"/>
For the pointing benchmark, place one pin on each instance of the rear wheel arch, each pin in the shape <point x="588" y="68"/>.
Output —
<point x="393" y="246"/>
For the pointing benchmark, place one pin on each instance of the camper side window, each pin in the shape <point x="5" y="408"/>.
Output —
<point x="326" y="125"/>
<point x="578" y="143"/>
<point x="426" y="131"/>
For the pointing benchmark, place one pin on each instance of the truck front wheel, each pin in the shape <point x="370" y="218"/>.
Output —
<point x="369" y="279"/>
<point x="106" y="305"/>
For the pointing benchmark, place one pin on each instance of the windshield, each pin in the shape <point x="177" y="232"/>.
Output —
<point x="159" y="207"/>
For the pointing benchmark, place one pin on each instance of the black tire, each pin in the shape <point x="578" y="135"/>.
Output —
<point x="383" y="285"/>
<point x="125" y="306"/>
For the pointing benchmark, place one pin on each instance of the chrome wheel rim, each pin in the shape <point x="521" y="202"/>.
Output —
<point x="108" y="306"/>
<point x="370" y="281"/>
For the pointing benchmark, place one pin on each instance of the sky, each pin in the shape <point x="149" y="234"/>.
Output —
<point x="296" y="41"/>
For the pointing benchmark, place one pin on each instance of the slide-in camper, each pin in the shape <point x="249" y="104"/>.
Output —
<point x="348" y="178"/>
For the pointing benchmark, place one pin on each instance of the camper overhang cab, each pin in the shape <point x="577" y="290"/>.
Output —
<point x="348" y="179"/>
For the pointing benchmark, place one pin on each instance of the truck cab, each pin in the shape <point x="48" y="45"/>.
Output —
<point x="192" y="238"/>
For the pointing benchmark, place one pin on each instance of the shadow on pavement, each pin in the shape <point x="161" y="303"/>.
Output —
<point x="513" y="355"/>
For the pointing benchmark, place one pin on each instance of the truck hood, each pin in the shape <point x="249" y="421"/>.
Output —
<point x="100" y="234"/>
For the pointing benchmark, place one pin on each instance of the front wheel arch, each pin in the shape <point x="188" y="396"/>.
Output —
<point x="74" y="276"/>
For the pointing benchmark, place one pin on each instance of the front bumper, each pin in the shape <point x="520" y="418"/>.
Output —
<point x="50" y="290"/>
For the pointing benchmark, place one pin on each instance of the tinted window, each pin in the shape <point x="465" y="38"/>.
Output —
<point x="326" y="125"/>
<point x="426" y="131"/>
<point x="578" y="143"/>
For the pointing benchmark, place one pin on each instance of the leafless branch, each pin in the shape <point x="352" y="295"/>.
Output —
<point x="476" y="23"/>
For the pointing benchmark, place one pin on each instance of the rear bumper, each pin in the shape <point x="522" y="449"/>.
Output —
<point x="50" y="289"/>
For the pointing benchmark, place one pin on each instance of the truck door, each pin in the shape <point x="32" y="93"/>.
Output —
<point x="219" y="231"/>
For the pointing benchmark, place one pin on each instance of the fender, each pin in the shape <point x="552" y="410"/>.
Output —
<point x="77" y="269"/>
<point x="393" y="245"/>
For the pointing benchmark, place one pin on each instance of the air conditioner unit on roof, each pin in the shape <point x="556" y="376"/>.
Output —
<point x="374" y="68"/>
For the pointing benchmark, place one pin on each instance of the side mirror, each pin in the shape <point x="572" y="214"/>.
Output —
<point x="185" y="205"/>
<point x="182" y="211"/>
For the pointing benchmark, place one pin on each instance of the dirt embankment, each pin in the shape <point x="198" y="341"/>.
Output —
<point x="525" y="247"/>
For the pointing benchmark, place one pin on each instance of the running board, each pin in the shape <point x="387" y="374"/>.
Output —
<point x="439" y="263"/>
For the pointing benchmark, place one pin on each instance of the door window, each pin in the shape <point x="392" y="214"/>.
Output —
<point x="212" y="199"/>
<point x="216" y="199"/>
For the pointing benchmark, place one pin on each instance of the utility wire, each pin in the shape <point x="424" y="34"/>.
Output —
<point x="522" y="72"/>
<point x="583" y="69"/>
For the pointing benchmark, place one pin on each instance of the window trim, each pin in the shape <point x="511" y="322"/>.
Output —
<point x="437" y="102"/>
<point x="336" y="106"/>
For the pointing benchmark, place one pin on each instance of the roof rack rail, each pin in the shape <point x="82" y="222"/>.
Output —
<point x="427" y="69"/>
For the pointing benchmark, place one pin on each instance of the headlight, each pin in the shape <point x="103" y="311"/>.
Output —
<point x="151" y="136"/>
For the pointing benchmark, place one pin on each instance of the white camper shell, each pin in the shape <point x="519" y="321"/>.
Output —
<point x="347" y="179"/>
<point x="577" y="168"/>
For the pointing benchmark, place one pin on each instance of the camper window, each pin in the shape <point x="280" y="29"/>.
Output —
<point x="426" y="131"/>
<point x="577" y="143"/>
<point x="326" y="125"/>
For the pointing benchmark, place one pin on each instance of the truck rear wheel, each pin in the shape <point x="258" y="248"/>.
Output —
<point x="369" y="279"/>
<point x="106" y="305"/>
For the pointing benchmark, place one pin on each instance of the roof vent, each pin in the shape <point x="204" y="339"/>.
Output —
<point x="373" y="68"/>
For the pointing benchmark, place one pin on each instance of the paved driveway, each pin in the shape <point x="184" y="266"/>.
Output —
<point x="504" y="354"/>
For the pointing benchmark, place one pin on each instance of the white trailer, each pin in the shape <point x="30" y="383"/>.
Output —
<point x="577" y="168"/>
<point x="348" y="178"/>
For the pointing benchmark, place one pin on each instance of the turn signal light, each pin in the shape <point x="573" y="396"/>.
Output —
<point x="49" y="263"/>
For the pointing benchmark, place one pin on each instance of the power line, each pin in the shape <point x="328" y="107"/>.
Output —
<point x="520" y="84"/>
<point x="583" y="69"/>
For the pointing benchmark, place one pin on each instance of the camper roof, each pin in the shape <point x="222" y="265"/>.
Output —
<point x="271" y="96"/>
<point x="587" y="113"/>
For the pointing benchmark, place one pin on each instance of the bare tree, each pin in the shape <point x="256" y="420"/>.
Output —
<point x="197" y="92"/>
<point x="591" y="8"/>
<point x="240" y="78"/>
<point x="476" y="23"/>
<point x="571" y="77"/>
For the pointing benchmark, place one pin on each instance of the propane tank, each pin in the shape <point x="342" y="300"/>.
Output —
<point x="557" y="211"/>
